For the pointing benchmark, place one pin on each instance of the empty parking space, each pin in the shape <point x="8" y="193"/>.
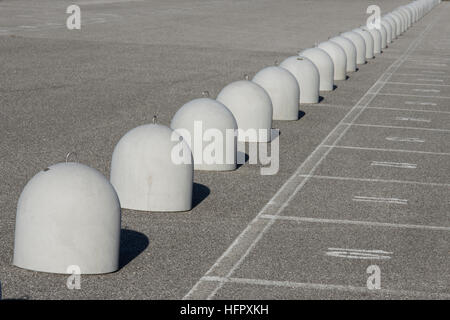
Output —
<point x="330" y="254"/>
<point x="402" y="118"/>
<point x="386" y="165"/>
<point x="394" y="204"/>
<point x="408" y="140"/>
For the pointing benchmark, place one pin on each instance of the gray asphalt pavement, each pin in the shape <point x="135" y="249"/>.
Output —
<point x="367" y="170"/>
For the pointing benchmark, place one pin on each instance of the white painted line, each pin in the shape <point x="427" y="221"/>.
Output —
<point x="412" y="119"/>
<point x="420" y="75"/>
<point x="433" y="72"/>
<point x="379" y="200"/>
<point x="412" y="95"/>
<point x="390" y="150"/>
<point x="357" y="222"/>
<point x="433" y="184"/>
<point x="419" y="84"/>
<point x="402" y="165"/>
<point x="411" y="110"/>
<point x="401" y="139"/>
<point x="431" y="80"/>
<point x="394" y="127"/>
<point x="421" y="103"/>
<point x="327" y="287"/>
<point x="237" y="252"/>
<point x="358" y="254"/>
<point x="427" y="90"/>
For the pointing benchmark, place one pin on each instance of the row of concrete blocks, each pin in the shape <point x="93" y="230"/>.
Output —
<point x="70" y="214"/>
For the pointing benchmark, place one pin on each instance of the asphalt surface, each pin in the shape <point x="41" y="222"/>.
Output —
<point x="365" y="170"/>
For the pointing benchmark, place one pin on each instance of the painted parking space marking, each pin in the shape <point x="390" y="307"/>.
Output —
<point x="412" y="119"/>
<point x="359" y="254"/>
<point x="418" y="84"/>
<point x="433" y="72"/>
<point x="431" y="80"/>
<point x="412" y="95"/>
<point x="421" y="103"/>
<point x="322" y="286"/>
<point x="414" y="110"/>
<point x="242" y="246"/>
<point x="395" y="127"/>
<point x="400" y="139"/>
<point x="427" y="90"/>
<point x="380" y="200"/>
<point x="356" y="222"/>
<point x="436" y="184"/>
<point x="390" y="150"/>
<point x="403" y="165"/>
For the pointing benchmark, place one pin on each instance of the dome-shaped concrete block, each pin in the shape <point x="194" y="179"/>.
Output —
<point x="152" y="170"/>
<point x="283" y="90"/>
<point x="388" y="28"/>
<point x="393" y="25"/>
<point x="324" y="64"/>
<point x="384" y="35"/>
<point x="407" y="14"/>
<point x="368" y="40"/>
<point x="350" y="51"/>
<point x="359" y="43"/>
<point x="68" y="215"/>
<point x="403" y="19"/>
<point x="307" y="76"/>
<point x="398" y="23"/>
<point x="252" y="108"/>
<point x="376" y="35"/>
<point x="206" y="124"/>
<point x="337" y="54"/>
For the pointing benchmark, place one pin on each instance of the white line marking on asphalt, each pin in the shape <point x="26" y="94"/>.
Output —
<point x="427" y="90"/>
<point x="320" y="286"/>
<point x="419" y="74"/>
<point x="394" y="127"/>
<point x="412" y="110"/>
<point x="412" y="119"/>
<point x="403" y="165"/>
<point x="237" y="252"/>
<point x="412" y="95"/>
<point x="400" y="139"/>
<point x="358" y="254"/>
<point x="379" y="200"/>
<point x="390" y="150"/>
<point x="418" y="84"/>
<point x="434" y="184"/>
<point x="421" y="103"/>
<point x="357" y="222"/>
<point x="433" y="72"/>
<point x="431" y="80"/>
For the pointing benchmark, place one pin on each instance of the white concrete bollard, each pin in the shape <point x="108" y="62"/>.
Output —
<point x="350" y="51"/>
<point x="205" y="124"/>
<point x="324" y="64"/>
<point x="152" y="170"/>
<point x="68" y="215"/>
<point x="376" y="35"/>
<point x="359" y="43"/>
<point x="307" y="76"/>
<point x="252" y="108"/>
<point x="283" y="90"/>
<point x="368" y="40"/>
<point x="337" y="54"/>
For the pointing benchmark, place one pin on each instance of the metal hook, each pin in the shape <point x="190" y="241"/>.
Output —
<point x="205" y="94"/>
<point x="155" y="119"/>
<point x="246" y="77"/>
<point x="70" y="154"/>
